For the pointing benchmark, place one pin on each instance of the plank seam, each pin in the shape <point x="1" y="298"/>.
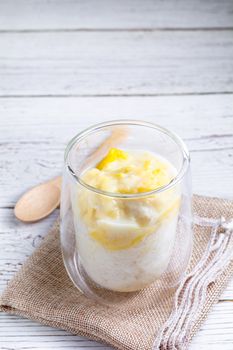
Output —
<point x="119" y="95"/>
<point x="104" y="30"/>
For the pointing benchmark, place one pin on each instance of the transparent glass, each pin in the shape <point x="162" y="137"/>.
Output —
<point x="120" y="259"/>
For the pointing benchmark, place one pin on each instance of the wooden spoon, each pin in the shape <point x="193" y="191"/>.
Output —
<point x="39" y="202"/>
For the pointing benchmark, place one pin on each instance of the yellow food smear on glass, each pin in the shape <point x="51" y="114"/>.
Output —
<point x="133" y="236"/>
<point x="118" y="223"/>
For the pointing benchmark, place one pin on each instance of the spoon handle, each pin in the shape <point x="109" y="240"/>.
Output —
<point x="56" y="181"/>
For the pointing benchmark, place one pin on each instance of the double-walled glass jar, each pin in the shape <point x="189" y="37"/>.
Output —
<point x="123" y="242"/>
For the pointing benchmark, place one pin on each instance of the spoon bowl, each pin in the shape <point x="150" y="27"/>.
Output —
<point x="39" y="202"/>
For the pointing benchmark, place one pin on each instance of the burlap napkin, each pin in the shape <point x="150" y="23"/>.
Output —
<point x="42" y="291"/>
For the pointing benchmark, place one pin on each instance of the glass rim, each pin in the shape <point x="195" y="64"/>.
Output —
<point x="92" y="129"/>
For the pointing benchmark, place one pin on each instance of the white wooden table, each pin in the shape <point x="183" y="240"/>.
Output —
<point x="65" y="65"/>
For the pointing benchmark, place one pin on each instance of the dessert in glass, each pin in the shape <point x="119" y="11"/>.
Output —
<point x="125" y="207"/>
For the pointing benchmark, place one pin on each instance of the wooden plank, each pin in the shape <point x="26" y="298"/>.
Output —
<point x="36" y="131"/>
<point x="212" y="169"/>
<point x="116" y="63"/>
<point x="111" y="14"/>
<point x="32" y="335"/>
<point x="216" y="332"/>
